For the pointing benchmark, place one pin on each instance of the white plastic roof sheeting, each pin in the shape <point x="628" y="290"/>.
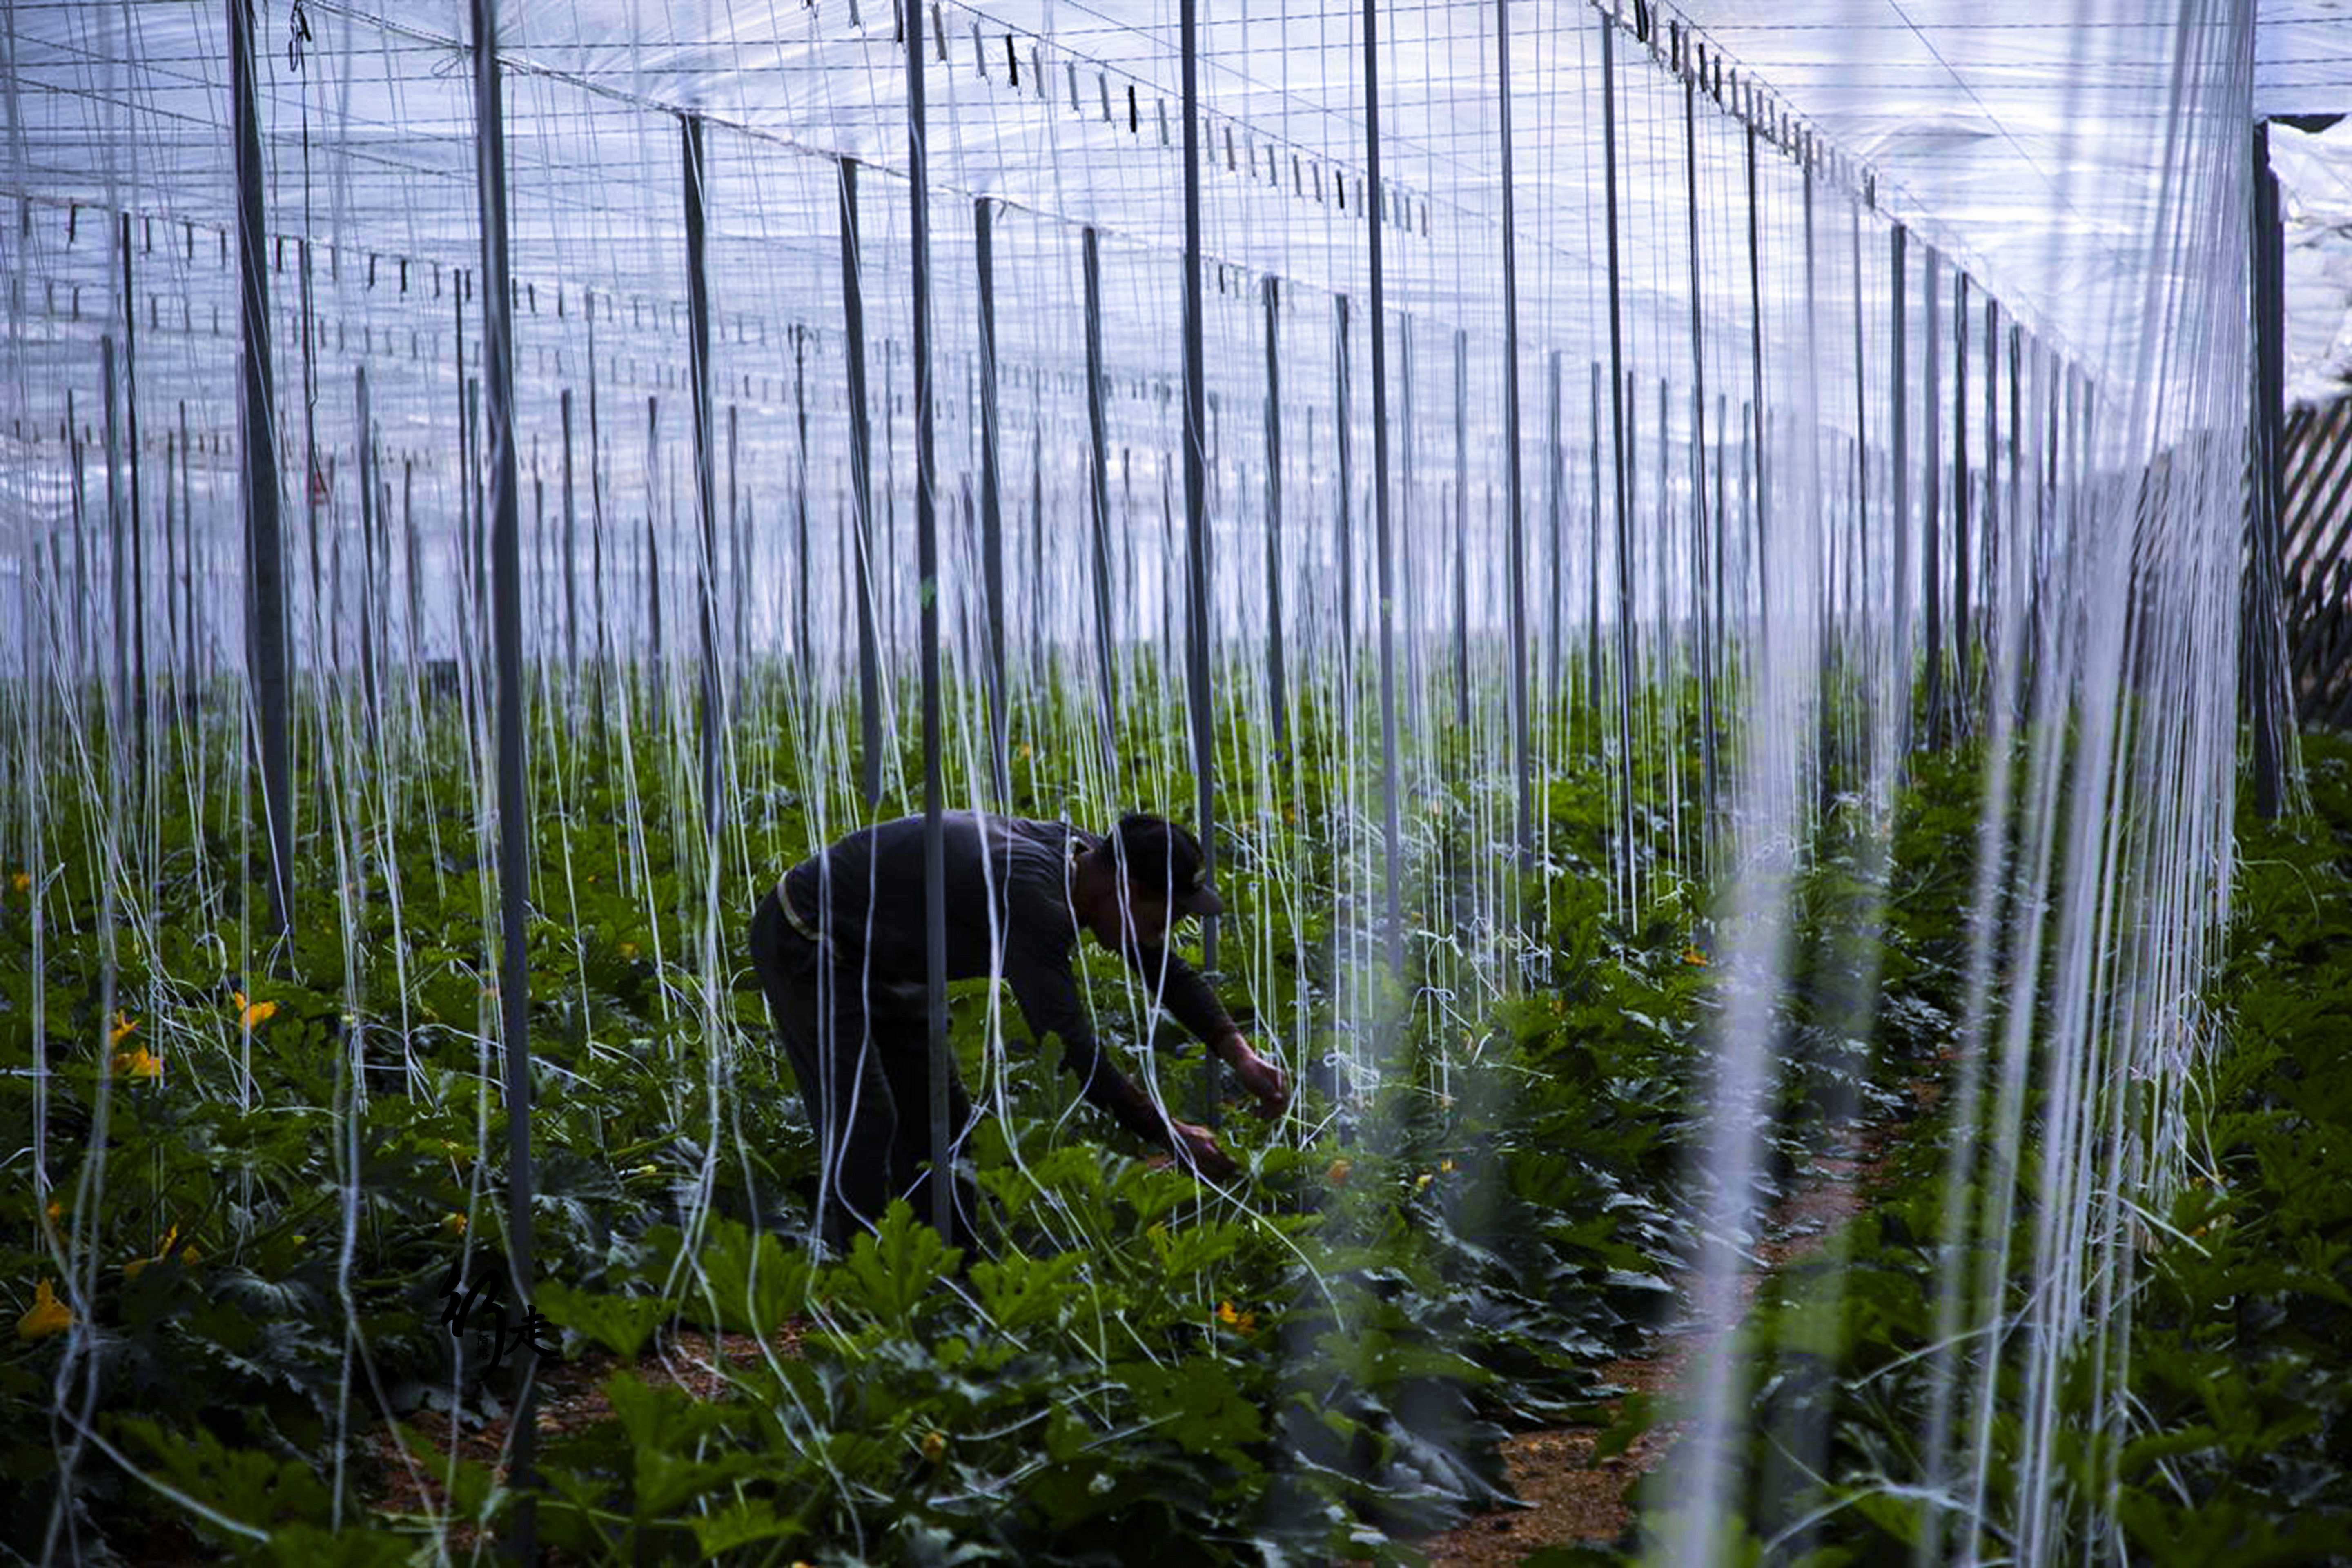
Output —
<point x="2019" y="137"/>
<point x="2043" y="149"/>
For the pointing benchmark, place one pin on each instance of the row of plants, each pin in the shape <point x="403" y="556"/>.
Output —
<point x="2234" y="1442"/>
<point x="265" y="1175"/>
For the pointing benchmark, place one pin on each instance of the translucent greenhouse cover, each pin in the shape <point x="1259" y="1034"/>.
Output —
<point x="2015" y="136"/>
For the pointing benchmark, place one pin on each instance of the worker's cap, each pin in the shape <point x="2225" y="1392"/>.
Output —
<point x="1159" y="854"/>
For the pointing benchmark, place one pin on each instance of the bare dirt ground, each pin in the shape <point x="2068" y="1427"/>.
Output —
<point x="1574" y="1496"/>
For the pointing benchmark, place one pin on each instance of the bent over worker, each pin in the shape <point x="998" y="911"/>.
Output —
<point x="838" y="943"/>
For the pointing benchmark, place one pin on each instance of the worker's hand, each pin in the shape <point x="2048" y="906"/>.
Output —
<point x="1197" y="1147"/>
<point x="1268" y="1082"/>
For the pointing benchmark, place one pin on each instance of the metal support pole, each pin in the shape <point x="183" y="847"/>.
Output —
<point x="596" y="527"/>
<point x="710" y="718"/>
<point x="927" y="561"/>
<point x="188" y="565"/>
<point x="991" y="514"/>
<point x="137" y="516"/>
<point x="1708" y="630"/>
<point x="1988" y="536"/>
<point x="2268" y="696"/>
<point x="802" y="567"/>
<point x="1625" y="817"/>
<point x="654" y="504"/>
<point x="1899" y="484"/>
<point x="371" y="693"/>
<point x="1036" y="543"/>
<point x="1931" y="570"/>
<point x="264" y="546"/>
<point x="1200" y="708"/>
<point x="118" y="723"/>
<point x="1461" y="529"/>
<point x="1596" y="514"/>
<point x="1344" y="426"/>
<point x="1383" y="568"/>
<point x="1963" y="620"/>
<point x="861" y="484"/>
<point x="738" y="534"/>
<point x="514" y="868"/>
<point x="1278" y="696"/>
<point x="1107" y="693"/>
<point x="1755" y="412"/>
<point x="570" y="576"/>
<point x="1556" y="474"/>
<point x="1523" y="766"/>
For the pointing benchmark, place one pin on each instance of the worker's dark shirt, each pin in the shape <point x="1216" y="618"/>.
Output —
<point x="1007" y="881"/>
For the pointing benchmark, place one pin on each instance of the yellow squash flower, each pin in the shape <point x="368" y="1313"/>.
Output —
<point x="123" y="1026"/>
<point x="139" y="1062"/>
<point x="24" y="881"/>
<point x="46" y="1316"/>
<point x="137" y="1266"/>
<point x="251" y="1016"/>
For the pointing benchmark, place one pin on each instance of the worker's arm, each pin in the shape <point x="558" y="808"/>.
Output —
<point x="1186" y="995"/>
<point x="1048" y="996"/>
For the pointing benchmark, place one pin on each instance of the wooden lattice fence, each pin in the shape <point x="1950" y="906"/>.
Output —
<point x="2316" y="515"/>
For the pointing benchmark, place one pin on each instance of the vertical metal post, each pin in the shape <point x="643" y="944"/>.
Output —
<point x="596" y="523"/>
<point x="1963" y="673"/>
<point x="655" y="503"/>
<point x="137" y="518"/>
<point x="1594" y="522"/>
<point x="1625" y="817"/>
<point x="1931" y="570"/>
<point x="1036" y="542"/>
<point x="1708" y="630"/>
<point x="803" y="568"/>
<point x="1522" y="758"/>
<point x="861" y="485"/>
<point x="1277" y="696"/>
<point x="1861" y="415"/>
<point x="1344" y="424"/>
<point x="1899" y="483"/>
<point x="927" y="553"/>
<point x="1461" y="529"/>
<point x="1556" y="470"/>
<point x="571" y="573"/>
<point x="1098" y="429"/>
<point x="1406" y="568"/>
<point x="1201" y="707"/>
<point x="372" y="696"/>
<point x="710" y="718"/>
<point x="991" y="514"/>
<point x="1383" y="569"/>
<point x="1816" y="497"/>
<point x="188" y="562"/>
<point x="1754" y="422"/>
<point x="413" y="567"/>
<point x="264" y="548"/>
<point x="1989" y="536"/>
<point x="117" y="711"/>
<point x="2268" y="694"/>
<point x="514" y="869"/>
<point x="738" y="548"/>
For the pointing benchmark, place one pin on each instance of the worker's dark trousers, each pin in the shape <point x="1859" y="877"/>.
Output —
<point x="861" y="1051"/>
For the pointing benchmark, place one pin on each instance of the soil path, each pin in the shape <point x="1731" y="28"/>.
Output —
<point x="1572" y="1496"/>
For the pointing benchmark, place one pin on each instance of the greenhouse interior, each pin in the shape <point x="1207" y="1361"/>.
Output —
<point x="1657" y="695"/>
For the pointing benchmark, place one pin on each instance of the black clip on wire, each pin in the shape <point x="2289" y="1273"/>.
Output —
<point x="297" y="33"/>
